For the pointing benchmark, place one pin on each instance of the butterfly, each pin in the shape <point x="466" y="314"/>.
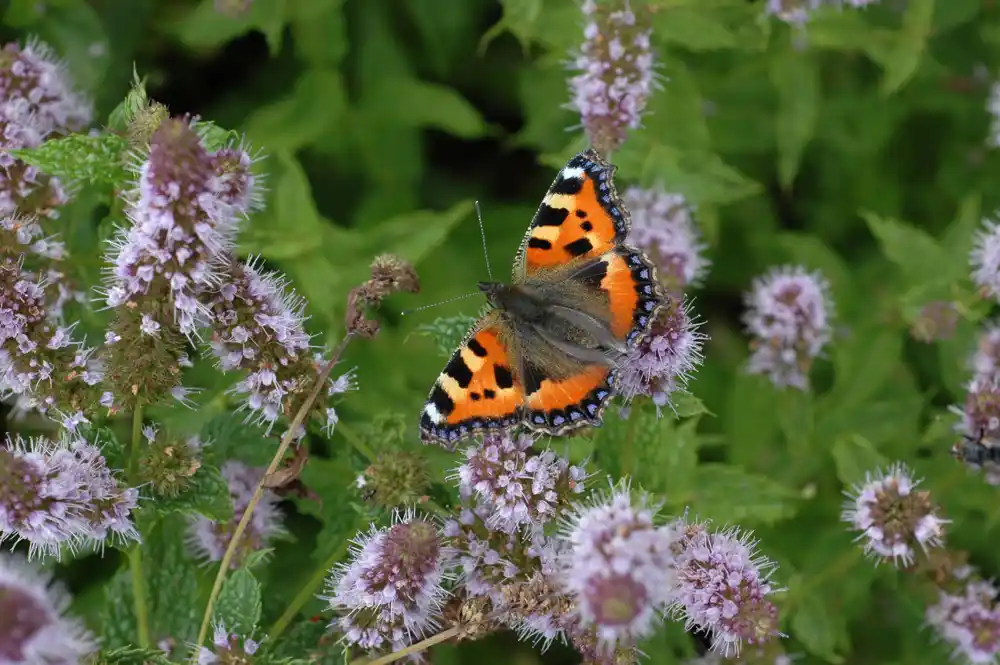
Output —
<point x="544" y="352"/>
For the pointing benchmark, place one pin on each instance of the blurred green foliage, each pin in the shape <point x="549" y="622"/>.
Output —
<point x="855" y="147"/>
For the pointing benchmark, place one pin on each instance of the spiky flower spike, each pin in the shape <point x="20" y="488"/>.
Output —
<point x="168" y="462"/>
<point x="209" y="539"/>
<point x="895" y="520"/>
<point x="615" y="66"/>
<point x="663" y="361"/>
<point x="984" y="259"/>
<point x="33" y="625"/>
<point x="55" y="494"/>
<point x="967" y="618"/>
<point x="519" y="487"/>
<point x="788" y="315"/>
<point x="981" y="411"/>
<point x="723" y="586"/>
<point x="391" y="591"/>
<point x="31" y="75"/>
<point x="23" y="188"/>
<point x="664" y="225"/>
<point x="618" y="567"/>
<point x="39" y="360"/>
<point x="985" y="361"/>
<point x="228" y="648"/>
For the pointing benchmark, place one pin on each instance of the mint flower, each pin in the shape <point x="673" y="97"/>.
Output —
<point x="209" y="539"/>
<point x="792" y="11"/>
<point x="61" y="493"/>
<point x="981" y="411"/>
<point x="966" y="617"/>
<point x="23" y="188"/>
<point x="993" y="108"/>
<point x="520" y="488"/>
<point x="615" y="66"/>
<point x="618" y="567"/>
<point x="391" y="591"/>
<point x="985" y="361"/>
<point x="662" y="362"/>
<point x="33" y="625"/>
<point x="228" y="648"/>
<point x="788" y="316"/>
<point x="893" y="517"/>
<point x="663" y="224"/>
<point x="32" y="75"/>
<point x="985" y="259"/>
<point x="722" y="587"/>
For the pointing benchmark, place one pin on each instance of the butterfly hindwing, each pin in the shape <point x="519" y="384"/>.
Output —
<point x="476" y="391"/>
<point x="580" y="216"/>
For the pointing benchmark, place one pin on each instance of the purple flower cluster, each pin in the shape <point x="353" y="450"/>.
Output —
<point x="893" y="518"/>
<point x="615" y="78"/>
<point x="392" y="591"/>
<point x="797" y="11"/>
<point x="209" y="539"/>
<point x="33" y="625"/>
<point x="518" y="489"/>
<point x="967" y="617"/>
<point x="228" y="648"/>
<point x="788" y="315"/>
<point x="663" y="224"/>
<point x="985" y="259"/>
<point x="662" y="362"/>
<point x="57" y="494"/>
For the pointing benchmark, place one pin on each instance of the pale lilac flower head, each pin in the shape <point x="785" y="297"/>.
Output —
<point x="723" y="586"/>
<point x="228" y="648"/>
<point x="795" y="12"/>
<point x="183" y="227"/>
<point x="209" y="539"/>
<point x="993" y="108"/>
<point x="894" y="518"/>
<point x="33" y="625"/>
<point x="788" y="316"/>
<point x="986" y="359"/>
<point x="520" y="487"/>
<point x="985" y="259"/>
<point x="967" y="618"/>
<point x="663" y="224"/>
<point x="662" y="362"/>
<point x="618" y="566"/>
<point x="392" y="590"/>
<point x="981" y="411"/>
<point x="23" y="188"/>
<point x="615" y="66"/>
<point x="235" y="182"/>
<point x="61" y="494"/>
<point x="31" y="74"/>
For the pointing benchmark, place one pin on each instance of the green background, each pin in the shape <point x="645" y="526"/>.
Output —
<point x="857" y="147"/>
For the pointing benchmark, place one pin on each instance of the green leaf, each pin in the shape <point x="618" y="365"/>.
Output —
<point x="118" y="625"/>
<point x="81" y="158"/>
<point x="686" y="405"/>
<point x="239" y="604"/>
<point x="728" y="494"/>
<point x="700" y="176"/>
<point x="693" y="28"/>
<point x="447" y="332"/>
<point x="122" y="115"/>
<point x="796" y="79"/>
<point x="206" y="27"/>
<point x="855" y="456"/>
<point x="315" y="106"/>
<point x="130" y="655"/>
<point x="333" y="482"/>
<point x="207" y="495"/>
<point x="519" y="19"/>
<point x="904" y="58"/>
<point x="917" y="254"/>
<point x="171" y="582"/>
<point x="818" y="628"/>
<point x="427" y="106"/>
<point x="227" y="436"/>
<point x="214" y="137"/>
<point x="319" y="31"/>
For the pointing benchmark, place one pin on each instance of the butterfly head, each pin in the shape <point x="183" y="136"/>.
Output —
<point x="498" y="294"/>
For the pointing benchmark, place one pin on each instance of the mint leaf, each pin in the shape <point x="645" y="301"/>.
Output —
<point x="97" y="160"/>
<point x="239" y="604"/>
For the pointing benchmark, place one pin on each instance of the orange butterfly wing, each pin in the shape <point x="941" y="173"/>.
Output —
<point x="477" y="390"/>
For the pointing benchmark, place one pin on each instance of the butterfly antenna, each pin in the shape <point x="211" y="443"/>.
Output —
<point x="435" y="304"/>
<point x="482" y="233"/>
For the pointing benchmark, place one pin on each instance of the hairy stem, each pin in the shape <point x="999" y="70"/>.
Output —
<point x="413" y="648"/>
<point x="279" y="455"/>
<point x="135" y="553"/>
<point x="307" y="592"/>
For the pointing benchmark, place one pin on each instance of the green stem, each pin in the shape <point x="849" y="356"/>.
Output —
<point x="279" y="455"/>
<point x="135" y="554"/>
<point x="355" y="442"/>
<point x="307" y="592"/>
<point x="413" y="648"/>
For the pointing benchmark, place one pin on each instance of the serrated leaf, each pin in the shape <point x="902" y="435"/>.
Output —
<point x="205" y="26"/>
<point x="207" y="495"/>
<point x="728" y="494"/>
<point x="687" y="405"/>
<point x="316" y="105"/>
<point x="81" y="158"/>
<point x="239" y="604"/>
<point x="427" y="106"/>
<point x="130" y="655"/>
<point x="796" y="79"/>
<point x="118" y="625"/>
<point x="171" y="582"/>
<point x="214" y="137"/>
<point x="229" y="437"/>
<point x="904" y="58"/>
<point x="135" y="100"/>
<point x="917" y="254"/>
<point x="447" y="332"/>
<point x="854" y="456"/>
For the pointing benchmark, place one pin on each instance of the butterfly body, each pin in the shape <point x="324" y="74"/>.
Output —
<point x="544" y="352"/>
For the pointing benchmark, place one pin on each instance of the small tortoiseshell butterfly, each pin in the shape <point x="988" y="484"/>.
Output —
<point x="544" y="352"/>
